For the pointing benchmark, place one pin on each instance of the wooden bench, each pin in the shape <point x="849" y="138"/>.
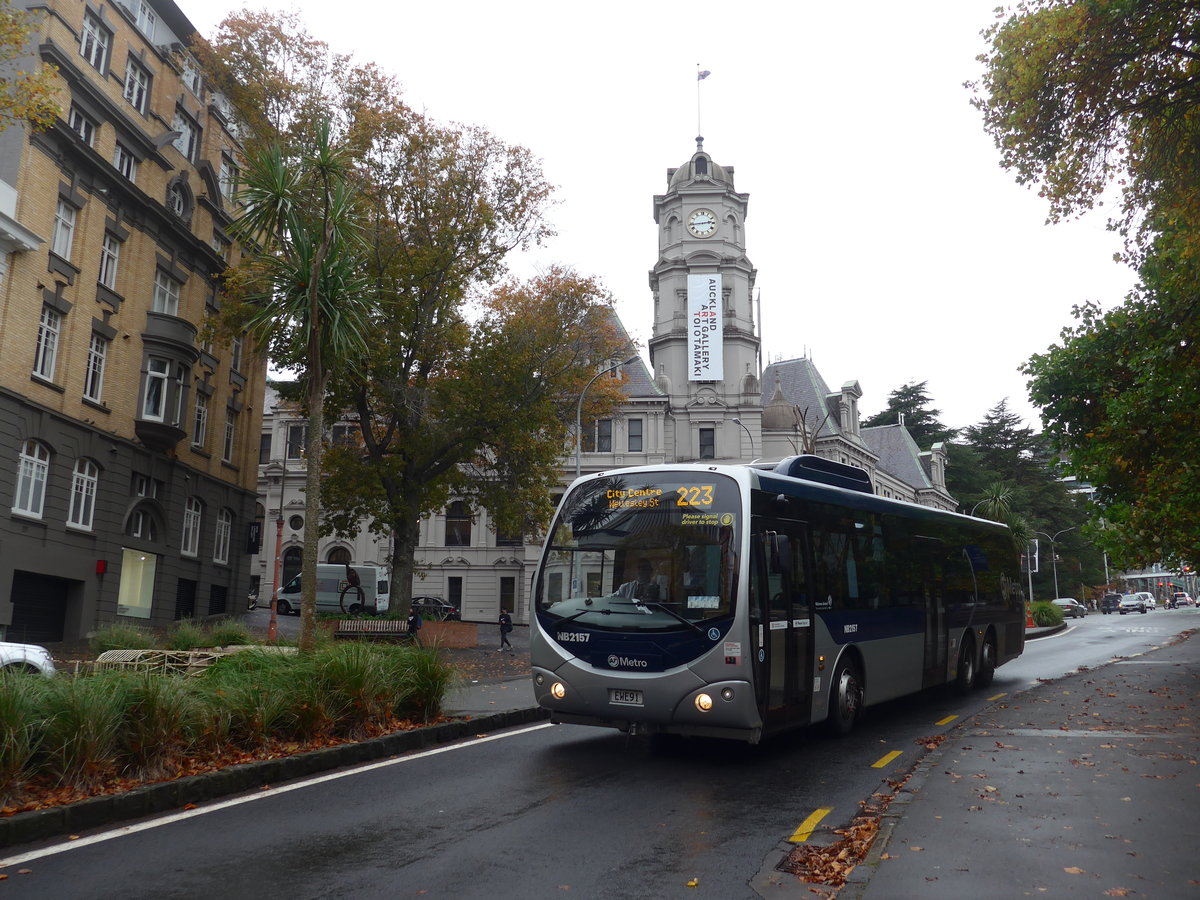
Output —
<point x="371" y="628"/>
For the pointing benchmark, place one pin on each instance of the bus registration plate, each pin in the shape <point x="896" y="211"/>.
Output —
<point x="625" y="698"/>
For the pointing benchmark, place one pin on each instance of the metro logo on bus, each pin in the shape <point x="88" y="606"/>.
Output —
<point x="626" y="662"/>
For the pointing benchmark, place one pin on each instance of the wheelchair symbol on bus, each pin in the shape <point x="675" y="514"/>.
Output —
<point x="714" y="634"/>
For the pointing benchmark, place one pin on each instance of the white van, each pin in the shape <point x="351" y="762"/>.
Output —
<point x="332" y="591"/>
<point x="1148" y="600"/>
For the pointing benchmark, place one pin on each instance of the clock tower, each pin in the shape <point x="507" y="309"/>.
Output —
<point x="705" y="344"/>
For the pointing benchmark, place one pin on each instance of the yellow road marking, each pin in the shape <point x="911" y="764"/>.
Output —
<point x="945" y="721"/>
<point x="809" y="825"/>
<point x="886" y="760"/>
<point x="996" y="697"/>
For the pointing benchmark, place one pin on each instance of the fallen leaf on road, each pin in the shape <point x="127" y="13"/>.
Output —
<point x="916" y="848"/>
<point x="695" y="882"/>
<point x="1073" y="870"/>
<point x="1117" y="892"/>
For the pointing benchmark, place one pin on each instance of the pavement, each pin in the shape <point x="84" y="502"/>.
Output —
<point x="1081" y="787"/>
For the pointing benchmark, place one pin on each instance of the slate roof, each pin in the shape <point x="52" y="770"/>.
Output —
<point x="898" y="454"/>
<point x="804" y="388"/>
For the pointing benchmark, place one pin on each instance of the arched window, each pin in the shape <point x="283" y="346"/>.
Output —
<point x="291" y="564"/>
<point x="221" y="542"/>
<point x="338" y="556"/>
<point x="33" y="467"/>
<point x="189" y="544"/>
<point x="83" y="494"/>
<point x="458" y="525"/>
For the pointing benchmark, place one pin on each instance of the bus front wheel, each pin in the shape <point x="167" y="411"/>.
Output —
<point x="845" y="698"/>
<point x="965" y="680"/>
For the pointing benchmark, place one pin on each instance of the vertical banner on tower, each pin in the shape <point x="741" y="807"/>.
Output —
<point x="705" y="362"/>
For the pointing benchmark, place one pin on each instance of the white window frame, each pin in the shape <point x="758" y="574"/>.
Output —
<point x="297" y="440"/>
<point x="137" y="84"/>
<point x="200" y="420"/>
<point x="158" y="389"/>
<point x="230" y="435"/>
<point x="125" y="162"/>
<point x="84" y="483"/>
<point x="110" y="257"/>
<point x="191" y="76"/>
<point x="189" y="133"/>
<point x="33" y="470"/>
<point x="166" y="294"/>
<point x="82" y="124"/>
<point x="146" y="19"/>
<point x="222" y="536"/>
<point x="97" y="359"/>
<point x="235" y="353"/>
<point x="193" y="515"/>
<point x="93" y="42"/>
<point x="229" y="177"/>
<point x="45" y="354"/>
<point x="63" y="239"/>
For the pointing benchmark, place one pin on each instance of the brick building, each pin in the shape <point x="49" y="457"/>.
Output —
<point x="128" y="437"/>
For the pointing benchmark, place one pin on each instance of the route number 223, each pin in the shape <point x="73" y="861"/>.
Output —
<point x="697" y="495"/>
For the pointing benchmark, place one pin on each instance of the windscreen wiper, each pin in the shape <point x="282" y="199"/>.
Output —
<point x="669" y="612"/>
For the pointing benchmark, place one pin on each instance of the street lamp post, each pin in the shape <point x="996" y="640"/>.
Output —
<point x="1054" y="552"/>
<point x="579" y="411"/>
<point x="276" y="473"/>
<point x="748" y="434"/>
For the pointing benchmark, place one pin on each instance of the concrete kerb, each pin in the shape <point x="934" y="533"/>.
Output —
<point x="150" y="799"/>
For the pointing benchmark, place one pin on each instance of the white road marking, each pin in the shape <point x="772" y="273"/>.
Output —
<point x="257" y="795"/>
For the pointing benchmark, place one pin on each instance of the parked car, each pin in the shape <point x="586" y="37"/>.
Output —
<point x="1071" y="607"/>
<point x="1108" y="603"/>
<point x="1131" y="603"/>
<point x="435" y="609"/>
<point x="25" y="658"/>
<point x="1180" y="599"/>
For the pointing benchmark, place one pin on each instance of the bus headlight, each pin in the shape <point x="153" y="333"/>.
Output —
<point x="558" y="690"/>
<point x="704" y="702"/>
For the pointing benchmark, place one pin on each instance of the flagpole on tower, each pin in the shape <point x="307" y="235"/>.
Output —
<point x="701" y="74"/>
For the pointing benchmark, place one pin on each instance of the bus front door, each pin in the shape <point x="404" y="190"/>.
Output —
<point x="784" y="622"/>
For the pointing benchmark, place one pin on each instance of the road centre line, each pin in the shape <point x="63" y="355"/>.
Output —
<point x="809" y="825"/>
<point x="885" y="760"/>
<point x="258" y="795"/>
<point x="945" y="721"/>
<point x="995" y="697"/>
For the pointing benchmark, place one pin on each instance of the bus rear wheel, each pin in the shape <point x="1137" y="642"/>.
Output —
<point x="845" y="698"/>
<point x="966" y="668"/>
<point x="987" y="663"/>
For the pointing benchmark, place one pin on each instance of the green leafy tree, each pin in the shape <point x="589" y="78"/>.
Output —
<point x="28" y="88"/>
<point x="913" y="403"/>
<point x="1080" y="97"/>
<point x="303" y="296"/>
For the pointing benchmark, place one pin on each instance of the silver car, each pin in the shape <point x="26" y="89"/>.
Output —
<point x="1071" y="607"/>
<point x="25" y="658"/>
<point x="1131" y="603"/>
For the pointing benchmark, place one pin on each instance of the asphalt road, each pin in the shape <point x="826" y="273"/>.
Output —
<point x="543" y="811"/>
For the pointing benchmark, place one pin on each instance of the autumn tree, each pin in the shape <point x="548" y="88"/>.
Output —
<point x="28" y="87"/>
<point x="911" y="402"/>
<point x="1083" y="97"/>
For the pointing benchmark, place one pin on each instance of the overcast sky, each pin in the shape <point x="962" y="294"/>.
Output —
<point x="890" y="245"/>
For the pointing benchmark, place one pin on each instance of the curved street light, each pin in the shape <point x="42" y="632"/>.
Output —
<point x="748" y="434"/>
<point x="579" y="408"/>
<point x="1054" y="552"/>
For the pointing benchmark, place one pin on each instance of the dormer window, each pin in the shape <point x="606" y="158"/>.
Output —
<point x="701" y="165"/>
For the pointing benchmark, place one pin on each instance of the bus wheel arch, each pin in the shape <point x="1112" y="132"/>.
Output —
<point x="846" y="692"/>
<point x="987" y="660"/>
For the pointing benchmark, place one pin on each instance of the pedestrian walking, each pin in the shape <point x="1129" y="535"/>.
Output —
<point x="505" y="628"/>
<point x="414" y="624"/>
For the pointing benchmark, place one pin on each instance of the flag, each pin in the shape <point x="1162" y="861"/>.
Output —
<point x="700" y="76"/>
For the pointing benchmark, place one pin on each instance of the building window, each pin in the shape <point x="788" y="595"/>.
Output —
<point x="189" y="134"/>
<point x="604" y="435"/>
<point x="166" y="294"/>
<point x="137" y="84"/>
<point x="158" y="378"/>
<point x="64" y="230"/>
<point x="135" y="597"/>
<point x="508" y="538"/>
<point x="339" y="556"/>
<point x="177" y="200"/>
<point x="635" y="435"/>
<point x="82" y="125"/>
<point x="221" y="542"/>
<point x="191" y="76"/>
<point x="228" y="177"/>
<point x="218" y="597"/>
<point x="33" y="466"/>
<point x="343" y="435"/>
<point x="46" y="353"/>
<point x="110" y="255"/>
<point x="93" y="379"/>
<point x="297" y="437"/>
<point x="264" y="448"/>
<point x="235" y="354"/>
<point x="708" y="443"/>
<point x="189" y="544"/>
<point x="125" y="162"/>
<point x="222" y="246"/>
<point x="146" y="19"/>
<point x="144" y="486"/>
<point x="83" y="494"/>
<point x="458" y="525"/>
<point x="93" y="44"/>
<point x="200" y="420"/>
<point x="230" y="434"/>
<point x="296" y="522"/>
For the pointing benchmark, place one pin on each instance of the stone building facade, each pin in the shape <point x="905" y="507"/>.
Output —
<point x="128" y="436"/>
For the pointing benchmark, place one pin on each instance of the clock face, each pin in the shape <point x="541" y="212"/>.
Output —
<point x="702" y="223"/>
